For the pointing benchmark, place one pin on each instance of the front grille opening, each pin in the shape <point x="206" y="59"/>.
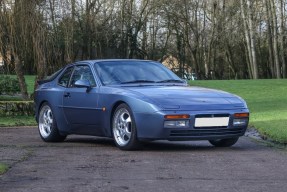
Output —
<point x="206" y="132"/>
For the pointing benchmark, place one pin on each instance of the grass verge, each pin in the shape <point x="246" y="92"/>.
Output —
<point x="266" y="100"/>
<point x="8" y="121"/>
<point x="30" y="81"/>
<point x="10" y="98"/>
<point x="3" y="168"/>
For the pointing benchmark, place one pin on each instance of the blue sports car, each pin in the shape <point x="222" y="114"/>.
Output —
<point x="133" y="101"/>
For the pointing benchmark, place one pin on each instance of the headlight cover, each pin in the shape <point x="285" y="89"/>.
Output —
<point x="240" y="122"/>
<point x="176" y="124"/>
<point x="240" y="119"/>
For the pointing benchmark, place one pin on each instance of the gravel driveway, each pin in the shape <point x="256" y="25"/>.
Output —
<point x="95" y="164"/>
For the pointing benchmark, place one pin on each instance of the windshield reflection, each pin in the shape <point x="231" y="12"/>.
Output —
<point x="128" y="72"/>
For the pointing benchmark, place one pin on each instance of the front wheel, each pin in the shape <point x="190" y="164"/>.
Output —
<point x="124" y="128"/>
<point x="47" y="125"/>
<point x="224" y="142"/>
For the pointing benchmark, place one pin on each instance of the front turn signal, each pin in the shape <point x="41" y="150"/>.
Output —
<point x="185" y="116"/>
<point x="241" y="115"/>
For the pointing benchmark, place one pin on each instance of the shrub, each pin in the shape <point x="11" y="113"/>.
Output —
<point x="8" y="85"/>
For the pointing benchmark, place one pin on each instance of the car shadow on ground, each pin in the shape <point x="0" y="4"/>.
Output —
<point x="153" y="145"/>
<point x="108" y="142"/>
<point x="185" y="146"/>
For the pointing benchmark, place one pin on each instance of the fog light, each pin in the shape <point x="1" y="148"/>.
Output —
<point x="181" y="123"/>
<point x="176" y="124"/>
<point x="240" y="122"/>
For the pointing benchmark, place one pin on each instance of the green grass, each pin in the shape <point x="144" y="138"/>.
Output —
<point x="266" y="99"/>
<point x="3" y="168"/>
<point x="17" y="121"/>
<point x="10" y="98"/>
<point x="30" y="81"/>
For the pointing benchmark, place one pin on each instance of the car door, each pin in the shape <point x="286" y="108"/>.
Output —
<point x="81" y="106"/>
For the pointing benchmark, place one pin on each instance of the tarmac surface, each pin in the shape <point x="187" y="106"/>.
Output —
<point x="88" y="164"/>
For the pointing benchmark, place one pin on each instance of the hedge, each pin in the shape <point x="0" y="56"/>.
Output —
<point x="9" y="85"/>
<point x="13" y="108"/>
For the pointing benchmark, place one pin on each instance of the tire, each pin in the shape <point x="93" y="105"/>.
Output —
<point x="224" y="142"/>
<point x="124" y="128"/>
<point x="47" y="125"/>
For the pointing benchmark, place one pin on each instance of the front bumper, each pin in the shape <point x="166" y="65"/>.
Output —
<point x="151" y="127"/>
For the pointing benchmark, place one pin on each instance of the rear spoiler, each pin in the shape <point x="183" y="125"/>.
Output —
<point x="49" y="78"/>
<point x="40" y="82"/>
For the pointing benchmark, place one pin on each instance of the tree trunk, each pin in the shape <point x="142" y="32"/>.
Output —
<point x="247" y="39"/>
<point x="250" y="37"/>
<point x="275" y="40"/>
<point x="16" y="32"/>
<point x="252" y="41"/>
<point x="20" y="76"/>
<point x="269" y="37"/>
<point x="282" y="38"/>
<point x="230" y="60"/>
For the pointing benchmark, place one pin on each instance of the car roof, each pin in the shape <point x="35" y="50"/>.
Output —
<point x="90" y="62"/>
<point x="109" y="60"/>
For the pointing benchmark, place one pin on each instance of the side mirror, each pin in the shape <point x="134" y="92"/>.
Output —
<point x="185" y="81"/>
<point x="83" y="83"/>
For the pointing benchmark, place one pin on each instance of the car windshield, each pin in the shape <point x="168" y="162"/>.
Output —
<point x="129" y="72"/>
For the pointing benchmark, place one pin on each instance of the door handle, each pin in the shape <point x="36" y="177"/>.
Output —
<point x="67" y="95"/>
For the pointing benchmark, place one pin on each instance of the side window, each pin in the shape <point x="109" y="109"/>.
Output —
<point x="82" y="72"/>
<point x="64" y="79"/>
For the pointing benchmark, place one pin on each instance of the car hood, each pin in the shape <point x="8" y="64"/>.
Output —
<point x="190" y="98"/>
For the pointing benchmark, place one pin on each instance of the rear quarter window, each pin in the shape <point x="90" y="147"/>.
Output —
<point x="65" y="78"/>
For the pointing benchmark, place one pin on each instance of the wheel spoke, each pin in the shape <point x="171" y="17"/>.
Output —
<point x="50" y="117"/>
<point x="49" y="120"/>
<point x="45" y="116"/>
<point x="128" y="120"/>
<point x="47" y="129"/>
<point x="127" y="135"/>
<point x="122" y="118"/>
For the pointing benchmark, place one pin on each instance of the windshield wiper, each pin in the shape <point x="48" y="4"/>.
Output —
<point x="170" y="81"/>
<point x="138" y="81"/>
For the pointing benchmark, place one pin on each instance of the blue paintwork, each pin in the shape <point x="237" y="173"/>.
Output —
<point x="80" y="112"/>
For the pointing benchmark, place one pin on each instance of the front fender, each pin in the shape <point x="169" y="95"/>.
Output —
<point x="109" y="101"/>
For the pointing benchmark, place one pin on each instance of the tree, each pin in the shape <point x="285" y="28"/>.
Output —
<point x="218" y="39"/>
<point x="249" y="31"/>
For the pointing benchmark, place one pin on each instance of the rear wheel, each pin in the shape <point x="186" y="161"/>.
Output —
<point x="224" y="142"/>
<point x="124" y="128"/>
<point x="47" y="125"/>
